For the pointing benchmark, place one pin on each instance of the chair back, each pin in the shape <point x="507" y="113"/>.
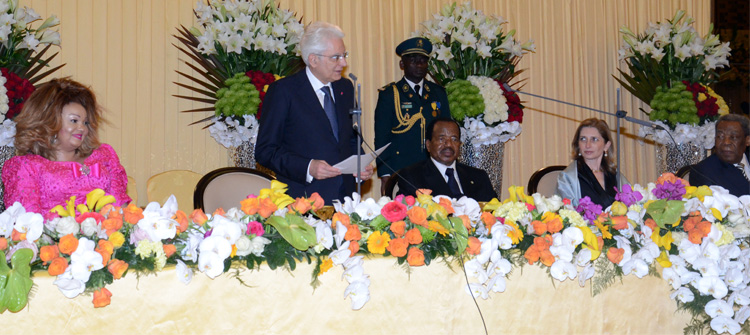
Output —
<point x="226" y="187"/>
<point x="391" y="186"/>
<point x="181" y="183"/>
<point x="132" y="191"/>
<point x="684" y="172"/>
<point x="544" y="181"/>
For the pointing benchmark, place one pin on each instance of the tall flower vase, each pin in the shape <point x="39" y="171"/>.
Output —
<point x="6" y="152"/>
<point x="488" y="157"/>
<point x="671" y="157"/>
<point x="244" y="156"/>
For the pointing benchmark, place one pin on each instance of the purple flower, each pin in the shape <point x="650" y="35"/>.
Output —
<point x="588" y="209"/>
<point x="627" y="196"/>
<point x="255" y="228"/>
<point x="669" y="190"/>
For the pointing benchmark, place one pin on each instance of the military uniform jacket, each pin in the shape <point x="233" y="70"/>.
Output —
<point x="401" y="118"/>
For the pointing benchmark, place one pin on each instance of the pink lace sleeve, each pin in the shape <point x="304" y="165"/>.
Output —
<point x="19" y="178"/>
<point x="118" y="185"/>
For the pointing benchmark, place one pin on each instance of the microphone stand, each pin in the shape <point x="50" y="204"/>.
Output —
<point x="356" y="113"/>
<point x="620" y="114"/>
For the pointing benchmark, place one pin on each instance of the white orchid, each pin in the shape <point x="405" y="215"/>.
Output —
<point x="69" y="286"/>
<point x="184" y="273"/>
<point x="31" y="224"/>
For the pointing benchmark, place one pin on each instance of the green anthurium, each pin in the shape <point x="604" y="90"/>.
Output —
<point x="294" y="230"/>
<point x="15" y="283"/>
<point x="665" y="212"/>
<point x="456" y="227"/>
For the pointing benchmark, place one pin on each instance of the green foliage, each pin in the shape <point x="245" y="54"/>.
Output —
<point x="607" y="273"/>
<point x="379" y="223"/>
<point x="15" y="283"/>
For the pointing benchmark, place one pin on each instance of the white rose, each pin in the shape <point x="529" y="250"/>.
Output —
<point x="244" y="246"/>
<point x="89" y="227"/>
<point x="67" y="225"/>
<point x="258" y="244"/>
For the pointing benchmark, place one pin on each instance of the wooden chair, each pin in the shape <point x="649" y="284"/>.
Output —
<point x="684" y="172"/>
<point x="226" y="187"/>
<point x="181" y="183"/>
<point x="544" y="181"/>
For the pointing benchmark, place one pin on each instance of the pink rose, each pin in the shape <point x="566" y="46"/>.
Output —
<point x="394" y="211"/>
<point x="255" y="228"/>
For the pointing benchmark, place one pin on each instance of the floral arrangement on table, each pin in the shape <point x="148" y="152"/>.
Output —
<point x="473" y="58"/>
<point x="670" y="68"/>
<point x="20" y="61"/>
<point x="240" y="47"/>
<point x="698" y="235"/>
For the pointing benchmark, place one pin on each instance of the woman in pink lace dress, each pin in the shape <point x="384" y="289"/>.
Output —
<point x="59" y="154"/>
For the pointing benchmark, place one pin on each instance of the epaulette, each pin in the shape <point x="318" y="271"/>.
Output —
<point x="387" y="86"/>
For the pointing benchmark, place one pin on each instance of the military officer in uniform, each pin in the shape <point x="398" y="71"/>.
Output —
<point x="405" y="108"/>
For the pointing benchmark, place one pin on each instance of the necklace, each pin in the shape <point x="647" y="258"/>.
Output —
<point x="597" y="170"/>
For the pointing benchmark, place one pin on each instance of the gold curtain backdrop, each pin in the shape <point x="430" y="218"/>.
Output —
<point x="124" y="50"/>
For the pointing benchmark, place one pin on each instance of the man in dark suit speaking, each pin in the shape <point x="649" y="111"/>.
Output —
<point x="728" y="165"/>
<point x="305" y="127"/>
<point x="441" y="173"/>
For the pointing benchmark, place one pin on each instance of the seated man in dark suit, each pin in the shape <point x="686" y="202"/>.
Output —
<point x="728" y="165"/>
<point x="441" y="173"/>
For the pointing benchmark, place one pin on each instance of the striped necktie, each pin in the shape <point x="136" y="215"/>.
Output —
<point x="742" y="168"/>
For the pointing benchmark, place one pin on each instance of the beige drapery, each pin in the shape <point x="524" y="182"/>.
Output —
<point x="123" y="49"/>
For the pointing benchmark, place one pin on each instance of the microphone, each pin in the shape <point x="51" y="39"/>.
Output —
<point x="356" y="111"/>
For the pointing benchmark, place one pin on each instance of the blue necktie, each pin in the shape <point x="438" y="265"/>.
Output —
<point x="330" y="109"/>
<point x="452" y="184"/>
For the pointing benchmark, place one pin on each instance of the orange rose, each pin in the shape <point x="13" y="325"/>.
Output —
<point x="316" y="201"/>
<point x="132" y="214"/>
<point x="112" y="224"/>
<point x="3" y="243"/>
<point x="219" y="211"/>
<point x="489" y="220"/>
<point x="117" y="268"/>
<point x="413" y="236"/>
<point x="301" y="205"/>
<point x="182" y="219"/>
<point x="102" y="297"/>
<point x="466" y="221"/>
<point x="415" y="257"/>
<point x="398" y="228"/>
<point x="620" y="222"/>
<point x="418" y="216"/>
<point x="105" y="249"/>
<point x="57" y="266"/>
<point x="340" y="218"/>
<point x="352" y="233"/>
<point x="68" y="244"/>
<point x="198" y="216"/>
<point x="48" y="252"/>
<point x="539" y="227"/>
<point x="615" y="255"/>
<point x="651" y="223"/>
<point x="474" y="247"/>
<point x="250" y="206"/>
<point x="17" y="235"/>
<point x="169" y="249"/>
<point x="553" y="221"/>
<point x="446" y="203"/>
<point x="353" y="248"/>
<point x="397" y="247"/>
<point x="267" y="207"/>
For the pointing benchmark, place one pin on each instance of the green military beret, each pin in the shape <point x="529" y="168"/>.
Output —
<point x="414" y="45"/>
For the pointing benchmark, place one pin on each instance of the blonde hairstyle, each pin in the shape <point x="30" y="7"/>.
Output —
<point x="41" y="118"/>
<point x="603" y="129"/>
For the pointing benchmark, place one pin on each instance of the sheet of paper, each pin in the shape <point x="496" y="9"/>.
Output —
<point x="349" y="165"/>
